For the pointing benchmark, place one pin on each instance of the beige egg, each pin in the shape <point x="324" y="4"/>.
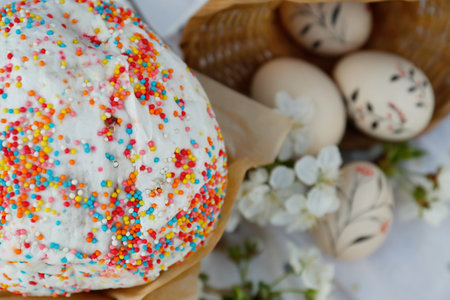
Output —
<point x="332" y="28"/>
<point x="361" y="223"/>
<point x="387" y="96"/>
<point x="306" y="84"/>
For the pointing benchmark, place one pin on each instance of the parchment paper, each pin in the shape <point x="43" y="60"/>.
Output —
<point x="253" y="135"/>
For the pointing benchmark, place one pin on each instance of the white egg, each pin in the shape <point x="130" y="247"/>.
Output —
<point x="361" y="223"/>
<point x="305" y="94"/>
<point x="387" y="96"/>
<point x="332" y="28"/>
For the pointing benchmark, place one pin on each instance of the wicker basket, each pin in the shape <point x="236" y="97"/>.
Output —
<point x="229" y="39"/>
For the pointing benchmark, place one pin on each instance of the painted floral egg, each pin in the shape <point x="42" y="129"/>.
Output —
<point x="361" y="223"/>
<point x="387" y="96"/>
<point x="306" y="95"/>
<point x="331" y="28"/>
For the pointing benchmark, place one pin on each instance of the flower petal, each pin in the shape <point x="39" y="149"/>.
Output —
<point x="301" y="142"/>
<point x="311" y="276"/>
<point x="436" y="213"/>
<point x="329" y="158"/>
<point x="307" y="170"/>
<point x="295" y="203"/>
<point x="259" y="175"/>
<point x="280" y="218"/>
<point x="283" y="103"/>
<point x="281" y="177"/>
<point x="322" y="201"/>
<point x="443" y="180"/>
<point x="252" y="204"/>
<point x="286" y="150"/>
<point x="295" y="255"/>
<point x="233" y="220"/>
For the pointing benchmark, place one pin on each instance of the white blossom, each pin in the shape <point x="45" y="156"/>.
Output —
<point x="432" y="208"/>
<point x="256" y="177"/>
<point x="281" y="177"/>
<point x="265" y="199"/>
<point x="258" y="206"/>
<point x="435" y="213"/>
<point x="314" y="273"/>
<point x="259" y="175"/>
<point x="443" y="181"/>
<point x="321" y="174"/>
<point x="233" y="220"/>
<point x="296" y="215"/>
<point x="301" y="111"/>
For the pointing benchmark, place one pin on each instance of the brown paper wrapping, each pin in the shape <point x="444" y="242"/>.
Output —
<point x="253" y="135"/>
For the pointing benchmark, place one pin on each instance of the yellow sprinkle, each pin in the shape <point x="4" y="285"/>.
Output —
<point x="47" y="149"/>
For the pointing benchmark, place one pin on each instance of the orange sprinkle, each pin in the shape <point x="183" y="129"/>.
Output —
<point x="72" y="162"/>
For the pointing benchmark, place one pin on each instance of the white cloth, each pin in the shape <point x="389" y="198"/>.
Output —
<point x="167" y="16"/>
<point x="413" y="263"/>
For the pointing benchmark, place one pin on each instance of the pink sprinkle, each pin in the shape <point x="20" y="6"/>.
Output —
<point x="21" y="232"/>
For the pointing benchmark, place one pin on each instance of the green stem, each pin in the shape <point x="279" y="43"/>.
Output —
<point x="411" y="172"/>
<point x="243" y="272"/>
<point x="292" y="291"/>
<point x="280" y="279"/>
<point x="403" y="178"/>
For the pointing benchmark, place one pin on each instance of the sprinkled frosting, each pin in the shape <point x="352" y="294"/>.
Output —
<point x="112" y="165"/>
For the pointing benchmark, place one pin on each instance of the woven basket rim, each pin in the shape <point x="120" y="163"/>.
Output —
<point x="204" y="21"/>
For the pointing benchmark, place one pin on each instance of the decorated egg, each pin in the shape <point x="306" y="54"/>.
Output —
<point x="387" y="96"/>
<point x="364" y="217"/>
<point x="332" y="28"/>
<point x="306" y="95"/>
